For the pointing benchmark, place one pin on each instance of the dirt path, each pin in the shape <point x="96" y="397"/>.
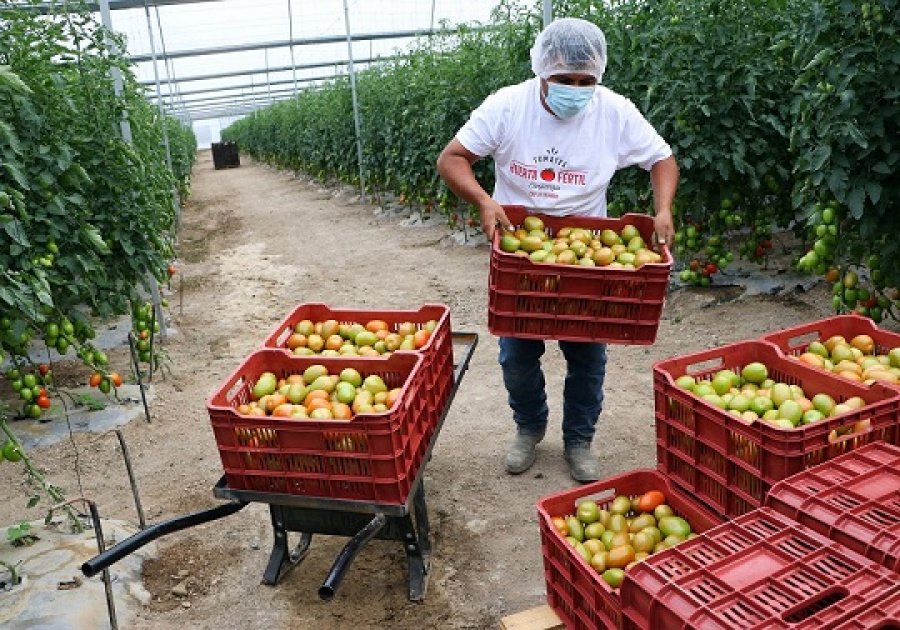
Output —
<point x="254" y="243"/>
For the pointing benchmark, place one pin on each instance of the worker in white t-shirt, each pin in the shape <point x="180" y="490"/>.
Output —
<point x="557" y="140"/>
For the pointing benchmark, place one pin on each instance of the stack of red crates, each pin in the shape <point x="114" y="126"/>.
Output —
<point x="824" y="552"/>
<point x="854" y="500"/>
<point x="770" y="568"/>
<point x="729" y="464"/>
<point x="573" y="303"/>
<point x="373" y="456"/>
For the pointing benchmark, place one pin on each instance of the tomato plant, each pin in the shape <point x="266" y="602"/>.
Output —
<point x="86" y="218"/>
<point x="781" y="113"/>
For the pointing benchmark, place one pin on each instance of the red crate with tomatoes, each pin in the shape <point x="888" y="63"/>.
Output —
<point x="851" y="346"/>
<point x="583" y="592"/>
<point x="313" y="328"/>
<point x="728" y="458"/>
<point x="303" y="443"/>
<point x="583" y="295"/>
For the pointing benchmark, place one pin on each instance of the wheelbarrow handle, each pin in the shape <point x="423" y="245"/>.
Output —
<point x="470" y="340"/>
<point x="131" y="544"/>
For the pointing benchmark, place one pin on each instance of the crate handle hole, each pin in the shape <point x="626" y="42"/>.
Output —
<point x="816" y="605"/>
<point x="283" y="336"/>
<point x="802" y="341"/>
<point x="705" y="366"/>
<point x="234" y="389"/>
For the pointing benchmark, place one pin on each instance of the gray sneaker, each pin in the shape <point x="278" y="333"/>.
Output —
<point x="520" y="455"/>
<point x="583" y="465"/>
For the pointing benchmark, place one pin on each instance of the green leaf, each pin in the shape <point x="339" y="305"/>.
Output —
<point x="16" y="232"/>
<point x="873" y="189"/>
<point x="819" y="156"/>
<point x="17" y="175"/>
<point x="855" y="200"/>
<point x="96" y="240"/>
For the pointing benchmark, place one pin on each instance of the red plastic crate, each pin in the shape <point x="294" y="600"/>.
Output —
<point x="569" y="302"/>
<point x="882" y="615"/>
<point x="794" y="341"/>
<point x="372" y="457"/>
<point x="854" y="500"/>
<point x="761" y="570"/>
<point x="577" y="593"/>
<point x="437" y="353"/>
<point x="729" y="464"/>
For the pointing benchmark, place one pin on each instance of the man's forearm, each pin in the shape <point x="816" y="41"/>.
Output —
<point x="664" y="178"/>
<point x="456" y="172"/>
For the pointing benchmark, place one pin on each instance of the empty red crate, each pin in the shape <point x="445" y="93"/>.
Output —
<point x="880" y="615"/>
<point x="729" y="464"/>
<point x="853" y="499"/>
<point x="761" y="570"/>
<point x="437" y="353"/>
<point x="568" y="302"/>
<point x="372" y="457"/>
<point x="577" y="593"/>
<point x="794" y="341"/>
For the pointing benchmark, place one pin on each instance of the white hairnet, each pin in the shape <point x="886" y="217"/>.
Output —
<point x="569" y="45"/>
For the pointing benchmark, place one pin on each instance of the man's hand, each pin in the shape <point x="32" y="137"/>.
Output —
<point x="492" y="215"/>
<point x="664" y="227"/>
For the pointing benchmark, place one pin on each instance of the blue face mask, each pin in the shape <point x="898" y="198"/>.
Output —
<point x="568" y="100"/>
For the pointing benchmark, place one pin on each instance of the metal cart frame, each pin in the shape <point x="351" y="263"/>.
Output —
<point x="360" y="520"/>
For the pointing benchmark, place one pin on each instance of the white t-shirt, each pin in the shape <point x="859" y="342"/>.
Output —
<point x="561" y="167"/>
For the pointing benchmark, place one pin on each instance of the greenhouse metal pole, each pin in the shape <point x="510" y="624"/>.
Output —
<point x="106" y="18"/>
<point x="291" y="36"/>
<point x="356" y="121"/>
<point x="268" y="81"/>
<point x="159" y="103"/>
<point x="170" y="70"/>
<point x="548" y="12"/>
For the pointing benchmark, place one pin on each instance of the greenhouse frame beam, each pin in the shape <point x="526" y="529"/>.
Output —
<point x="234" y="98"/>
<point x="246" y="86"/>
<point x="301" y="66"/>
<point x="283" y="43"/>
<point x="50" y="7"/>
<point x="220" y="110"/>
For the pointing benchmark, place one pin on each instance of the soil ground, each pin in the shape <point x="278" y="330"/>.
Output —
<point x="254" y="242"/>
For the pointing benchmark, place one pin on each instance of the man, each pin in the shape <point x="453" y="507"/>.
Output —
<point x="575" y="134"/>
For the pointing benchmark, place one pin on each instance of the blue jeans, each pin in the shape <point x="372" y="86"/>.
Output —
<point x="582" y="394"/>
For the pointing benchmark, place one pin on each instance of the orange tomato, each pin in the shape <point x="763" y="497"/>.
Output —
<point x="649" y="501"/>
<point x="392" y="397"/>
<point x="116" y="379"/>
<point x="382" y="334"/>
<point x="317" y="403"/>
<point x="243" y="410"/>
<point x="95" y="379"/>
<point x="620" y="557"/>
<point x="812" y="359"/>
<point x="341" y="411"/>
<point x="421" y="337"/>
<point x="377" y="324"/>
<point x="296" y="340"/>
<point x="334" y="342"/>
<point x="295" y="378"/>
<point x="274" y="400"/>
<point x="316" y="394"/>
<point x="283" y="410"/>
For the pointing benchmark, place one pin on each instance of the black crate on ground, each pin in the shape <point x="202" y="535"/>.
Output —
<point x="225" y="155"/>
